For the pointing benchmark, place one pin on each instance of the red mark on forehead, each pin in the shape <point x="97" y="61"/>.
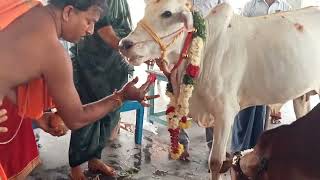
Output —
<point x="299" y="27"/>
<point x="214" y="11"/>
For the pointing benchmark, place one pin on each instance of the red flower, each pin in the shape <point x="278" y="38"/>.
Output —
<point x="152" y="78"/>
<point x="184" y="119"/>
<point x="170" y="110"/>
<point x="192" y="70"/>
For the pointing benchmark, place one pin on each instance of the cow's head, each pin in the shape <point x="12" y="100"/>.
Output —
<point x="160" y="32"/>
<point x="248" y="165"/>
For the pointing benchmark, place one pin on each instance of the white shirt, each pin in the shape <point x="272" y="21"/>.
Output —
<point x="260" y="7"/>
<point x="205" y="6"/>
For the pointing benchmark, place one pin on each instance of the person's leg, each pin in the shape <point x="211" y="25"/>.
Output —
<point x="242" y="129"/>
<point x="75" y="161"/>
<point x="209" y="137"/>
<point x="184" y="140"/>
<point x="95" y="164"/>
<point x="258" y="124"/>
<point x="84" y="143"/>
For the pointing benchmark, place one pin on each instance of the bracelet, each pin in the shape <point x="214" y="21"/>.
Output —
<point x="117" y="97"/>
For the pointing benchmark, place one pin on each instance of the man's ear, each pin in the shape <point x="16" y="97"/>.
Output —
<point x="66" y="12"/>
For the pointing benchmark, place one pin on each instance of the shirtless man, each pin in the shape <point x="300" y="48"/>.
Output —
<point x="30" y="48"/>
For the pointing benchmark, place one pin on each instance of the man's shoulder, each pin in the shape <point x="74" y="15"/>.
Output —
<point x="38" y="20"/>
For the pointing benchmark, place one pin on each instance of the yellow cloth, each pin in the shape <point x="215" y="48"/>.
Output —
<point x="12" y="9"/>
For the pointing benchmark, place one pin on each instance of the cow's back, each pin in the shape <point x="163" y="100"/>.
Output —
<point x="283" y="52"/>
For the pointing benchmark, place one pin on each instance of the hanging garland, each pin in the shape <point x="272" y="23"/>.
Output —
<point x="178" y="107"/>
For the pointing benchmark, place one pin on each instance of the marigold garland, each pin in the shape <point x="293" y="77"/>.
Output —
<point x="178" y="107"/>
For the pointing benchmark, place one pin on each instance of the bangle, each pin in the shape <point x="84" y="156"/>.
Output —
<point x="117" y="97"/>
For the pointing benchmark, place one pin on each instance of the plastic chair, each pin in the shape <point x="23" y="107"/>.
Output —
<point x="135" y="105"/>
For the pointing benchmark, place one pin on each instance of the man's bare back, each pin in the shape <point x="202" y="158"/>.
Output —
<point x="25" y="48"/>
<point x="30" y="48"/>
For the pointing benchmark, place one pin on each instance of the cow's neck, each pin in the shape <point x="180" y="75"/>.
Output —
<point x="222" y="43"/>
<point x="215" y="45"/>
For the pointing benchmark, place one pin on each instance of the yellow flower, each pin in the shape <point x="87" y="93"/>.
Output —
<point x="185" y="125"/>
<point x="176" y="156"/>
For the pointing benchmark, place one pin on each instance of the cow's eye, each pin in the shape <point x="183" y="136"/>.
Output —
<point x="166" y="14"/>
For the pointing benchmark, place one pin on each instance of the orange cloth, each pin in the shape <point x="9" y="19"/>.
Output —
<point x="33" y="99"/>
<point x="2" y="174"/>
<point x="11" y="9"/>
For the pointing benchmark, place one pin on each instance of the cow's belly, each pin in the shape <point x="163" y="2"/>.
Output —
<point x="199" y="112"/>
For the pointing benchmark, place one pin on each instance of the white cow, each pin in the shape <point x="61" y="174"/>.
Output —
<point x="246" y="61"/>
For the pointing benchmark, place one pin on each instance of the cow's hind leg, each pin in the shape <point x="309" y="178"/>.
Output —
<point x="301" y="105"/>
<point x="224" y="119"/>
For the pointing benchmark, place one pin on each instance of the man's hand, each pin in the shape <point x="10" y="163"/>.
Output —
<point x="52" y="124"/>
<point x="3" y="117"/>
<point x="130" y="92"/>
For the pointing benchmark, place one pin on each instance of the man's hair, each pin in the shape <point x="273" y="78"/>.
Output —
<point x="82" y="5"/>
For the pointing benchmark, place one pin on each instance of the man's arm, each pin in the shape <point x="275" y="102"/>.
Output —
<point x="59" y="77"/>
<point x="109" y="36"/>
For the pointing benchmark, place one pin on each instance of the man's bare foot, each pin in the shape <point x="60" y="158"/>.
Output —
<point x="184" y="156"/>
<point x="96" y="165"/>
<point x="77" y="173"/>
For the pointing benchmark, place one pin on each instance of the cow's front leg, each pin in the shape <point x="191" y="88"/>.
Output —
<point x="224" y="119"/>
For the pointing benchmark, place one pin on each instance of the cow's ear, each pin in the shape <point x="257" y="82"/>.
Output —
<point x="187" y="19"/>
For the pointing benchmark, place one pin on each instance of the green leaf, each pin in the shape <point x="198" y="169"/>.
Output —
<point x="188" y="80"/>
<point x="199" y="24"/>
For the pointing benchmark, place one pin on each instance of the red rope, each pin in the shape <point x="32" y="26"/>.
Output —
<point x="184" y="51"/>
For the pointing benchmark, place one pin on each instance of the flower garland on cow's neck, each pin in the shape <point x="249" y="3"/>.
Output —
<point x="178" y="107"/>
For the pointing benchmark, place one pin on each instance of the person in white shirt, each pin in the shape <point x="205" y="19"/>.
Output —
<point x="249" y="123"/>
<point x="264" y="7"/>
